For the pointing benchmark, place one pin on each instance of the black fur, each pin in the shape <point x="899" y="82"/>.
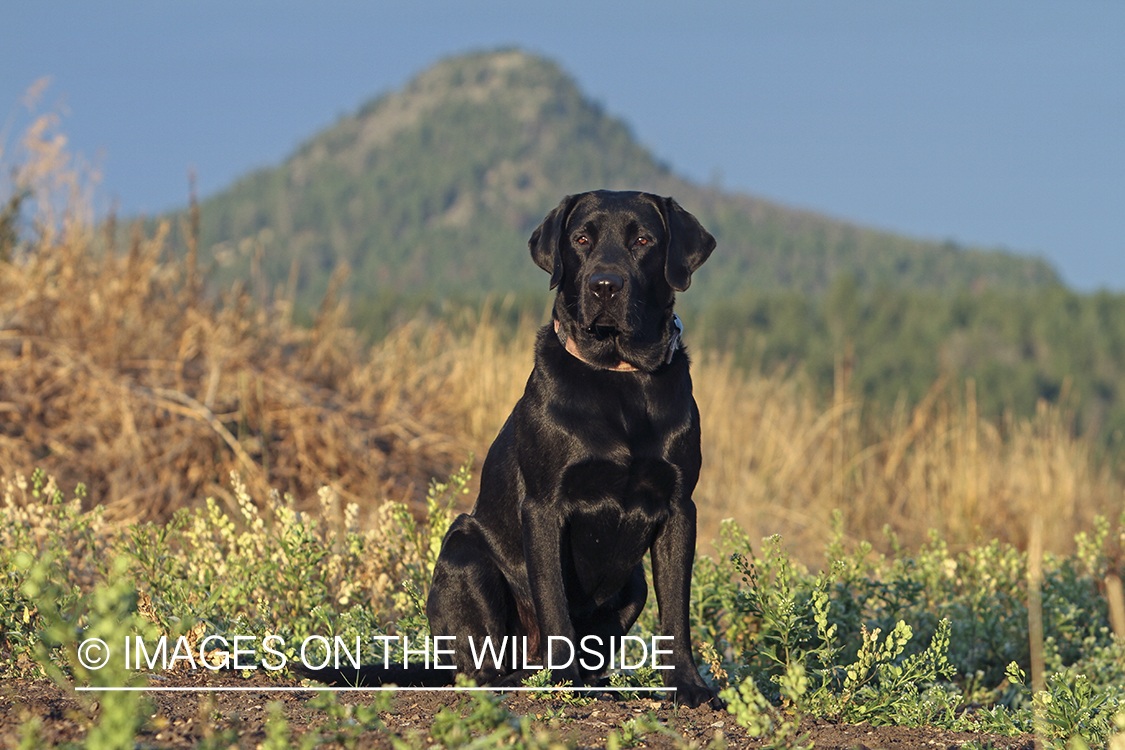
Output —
<point x="594" y="467"/>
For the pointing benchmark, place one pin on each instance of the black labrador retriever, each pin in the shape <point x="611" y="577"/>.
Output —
<point x="595" y="466"/>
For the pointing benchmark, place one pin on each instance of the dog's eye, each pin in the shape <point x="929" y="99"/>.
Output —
<point x="582" y="240"/>
<point x="641" y="242"/>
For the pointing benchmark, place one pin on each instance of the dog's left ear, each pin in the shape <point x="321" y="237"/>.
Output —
<point x="544" y="242"/>
<point x="689" y="244"/>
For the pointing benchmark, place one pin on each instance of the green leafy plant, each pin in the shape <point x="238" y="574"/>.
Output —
<point x="752" y="710"/>
<point x="643" y="676"/>
<point x="345" y="723"/>
<point x="543" y="679"/>
<point x="84" y="638"/>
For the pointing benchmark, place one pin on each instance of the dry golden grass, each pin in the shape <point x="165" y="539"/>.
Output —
<point x="118" y="371"/>
<point x="115" y="371"/>
<point x="778" y="462"/>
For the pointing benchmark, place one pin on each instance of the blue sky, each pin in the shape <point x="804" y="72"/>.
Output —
<point x="991" y="123"/>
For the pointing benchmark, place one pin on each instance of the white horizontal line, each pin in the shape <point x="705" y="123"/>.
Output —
<point x="291" y="689"/>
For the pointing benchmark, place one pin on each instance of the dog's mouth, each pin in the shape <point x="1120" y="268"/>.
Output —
<point x="603" y="331"/>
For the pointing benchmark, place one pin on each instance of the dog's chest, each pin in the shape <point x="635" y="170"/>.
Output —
<point x="624" y="423"/>
<point x="606" y="532"/>
<point x="615" y="511"/>
<point x="604" y="548"/>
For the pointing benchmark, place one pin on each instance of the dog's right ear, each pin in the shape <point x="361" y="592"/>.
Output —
<point x="544" y="242"/>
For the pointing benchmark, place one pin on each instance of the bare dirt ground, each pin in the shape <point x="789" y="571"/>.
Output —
<point x="238" y="719"/>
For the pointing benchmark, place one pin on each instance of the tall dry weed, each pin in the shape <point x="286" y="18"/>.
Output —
<point x="117" y="370"/>
<point x="779" y="461"/>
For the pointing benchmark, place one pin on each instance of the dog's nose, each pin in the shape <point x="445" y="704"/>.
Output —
<point x="605" y="285"/>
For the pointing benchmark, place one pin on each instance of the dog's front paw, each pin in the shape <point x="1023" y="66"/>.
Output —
<point x="696" y="695"/>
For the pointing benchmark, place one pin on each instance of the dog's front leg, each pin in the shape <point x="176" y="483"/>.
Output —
<point x="673" y="553"/>
<point x="542" y="547"/>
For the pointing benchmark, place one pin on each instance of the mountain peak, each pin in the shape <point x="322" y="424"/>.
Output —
<point x="508" y="78"/>
<point x="483" y="76"/>
<point x="435" y="188"/>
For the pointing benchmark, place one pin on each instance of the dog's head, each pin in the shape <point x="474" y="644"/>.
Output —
<point x="617" y="259"/>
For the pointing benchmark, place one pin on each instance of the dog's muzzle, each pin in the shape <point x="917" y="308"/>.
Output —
<point x="673" y="345"/>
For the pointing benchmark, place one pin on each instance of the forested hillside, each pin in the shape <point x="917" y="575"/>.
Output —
<point x="893" y="346"/>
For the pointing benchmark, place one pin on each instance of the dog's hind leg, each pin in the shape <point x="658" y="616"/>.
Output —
<point x="471" y="601"/>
